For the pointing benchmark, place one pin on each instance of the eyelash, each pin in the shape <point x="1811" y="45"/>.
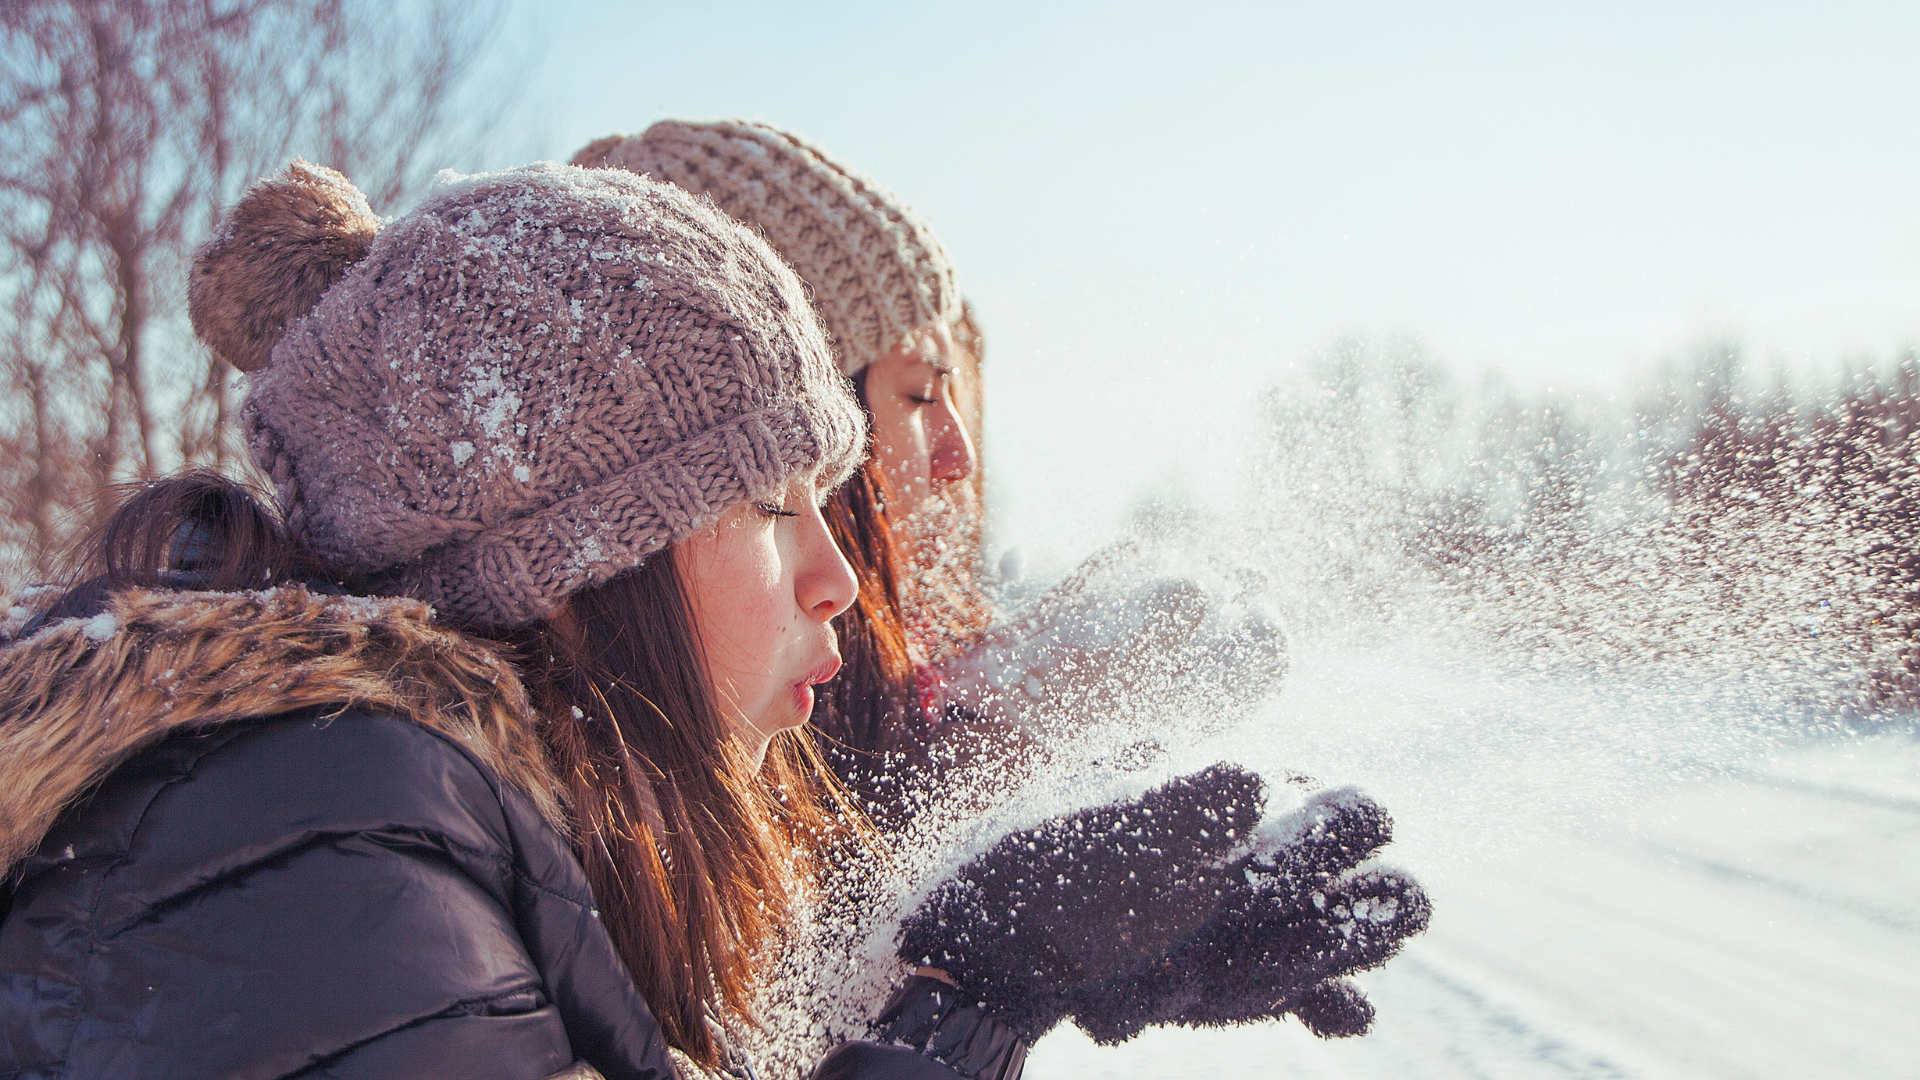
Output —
<point x="932" y="400"/>
<point x="773" y="511"/>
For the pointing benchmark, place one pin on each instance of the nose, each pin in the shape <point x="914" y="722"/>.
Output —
<point x="950" y="456"/>
<point x="824" y="583"/>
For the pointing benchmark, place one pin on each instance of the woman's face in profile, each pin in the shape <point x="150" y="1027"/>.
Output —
<point x="917" y="435"/>
<point x="765" y="583"/>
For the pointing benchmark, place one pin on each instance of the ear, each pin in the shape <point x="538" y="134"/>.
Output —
<point x="274" y="256"/>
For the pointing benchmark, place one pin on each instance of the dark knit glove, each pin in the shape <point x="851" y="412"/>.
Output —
<point x="1128" y="916"/>
<point x="1296" y="917"/>
<point x="1085" y="899"/>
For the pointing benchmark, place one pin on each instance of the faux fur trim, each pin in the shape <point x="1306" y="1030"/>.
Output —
<point x="82" y="696"/>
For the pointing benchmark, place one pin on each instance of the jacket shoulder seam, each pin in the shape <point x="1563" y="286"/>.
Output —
<point x="501" y="859"/>
<point x="508" y="858"/>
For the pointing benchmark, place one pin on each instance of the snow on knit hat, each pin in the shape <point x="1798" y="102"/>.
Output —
<point x="523" y="387"/>
<point x="876" y="270"/>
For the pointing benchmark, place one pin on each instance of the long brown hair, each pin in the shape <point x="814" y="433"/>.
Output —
<point x="689" y="845"/>
<point x="694" y="853"/>
<point x="871" y="718"/>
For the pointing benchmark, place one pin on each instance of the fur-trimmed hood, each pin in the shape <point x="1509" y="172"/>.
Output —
<point x="82" y="696"/>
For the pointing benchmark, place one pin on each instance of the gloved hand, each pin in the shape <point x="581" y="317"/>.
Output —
<point x="1239" y="666"/>
<point x="1131" y="915"/>
<point x="1296" y="918"/>
<point x="1084" y="898"/>
<point x="1104" y="641"/>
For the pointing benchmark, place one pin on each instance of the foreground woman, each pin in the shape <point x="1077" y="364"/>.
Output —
<point x="549" y="454"/>
<point x="477" y="755"/>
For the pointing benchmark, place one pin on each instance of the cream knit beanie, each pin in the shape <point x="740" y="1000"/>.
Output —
<point x="875" y="268"/>
<point x="523" y="387"/>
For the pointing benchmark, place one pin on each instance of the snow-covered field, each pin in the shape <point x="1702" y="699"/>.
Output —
<point x="1625" y="884"/>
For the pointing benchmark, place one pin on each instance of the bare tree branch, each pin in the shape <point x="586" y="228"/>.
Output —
<point x="124" y="126"/>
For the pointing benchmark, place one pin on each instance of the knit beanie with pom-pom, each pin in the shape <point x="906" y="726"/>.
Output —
<point x="525" y="386"/>
<point x="876" y="270"/>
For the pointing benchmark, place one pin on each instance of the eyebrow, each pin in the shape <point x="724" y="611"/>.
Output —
<point x="939" y="366"/>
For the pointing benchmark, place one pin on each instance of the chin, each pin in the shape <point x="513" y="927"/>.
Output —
<point x="782" y="716"/>
<point x="796" y="718"/>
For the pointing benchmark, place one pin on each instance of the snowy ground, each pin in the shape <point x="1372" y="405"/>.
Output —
<point x="1623" y="913"/>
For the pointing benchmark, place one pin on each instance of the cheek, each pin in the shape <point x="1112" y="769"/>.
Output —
<point x="764" y="622"/>
<point x="752" y="617"/>
<point x="899" y="437"/>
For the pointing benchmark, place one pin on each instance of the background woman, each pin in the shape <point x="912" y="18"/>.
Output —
<point x="925" y="689"/>
<point x="910" y="519"/>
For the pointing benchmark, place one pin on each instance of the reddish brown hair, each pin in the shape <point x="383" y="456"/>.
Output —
<point x="870" y="717"/>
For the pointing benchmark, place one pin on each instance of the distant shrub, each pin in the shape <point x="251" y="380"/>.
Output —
<point x="1701" y="526"/>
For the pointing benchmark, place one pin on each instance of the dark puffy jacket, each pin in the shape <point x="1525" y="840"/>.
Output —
<point x="353" y="896"/>
<point x="197" y="884"/>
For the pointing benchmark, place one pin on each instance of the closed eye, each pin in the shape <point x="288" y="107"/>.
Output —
<point x="773" y="511"/>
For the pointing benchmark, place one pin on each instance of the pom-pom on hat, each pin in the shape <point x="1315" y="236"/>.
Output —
<point x="876" y="270"/>
<point x="275" y="254"/>
<point x="525" y="386"/>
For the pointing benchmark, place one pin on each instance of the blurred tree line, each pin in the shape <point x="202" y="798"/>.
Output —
<point x="125" y="126"/>
<point x="1722" y="525"/>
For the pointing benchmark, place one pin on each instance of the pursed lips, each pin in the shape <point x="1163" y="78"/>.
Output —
<point x="824" y="670"/>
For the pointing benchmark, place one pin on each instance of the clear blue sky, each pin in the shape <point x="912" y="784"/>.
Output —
<point x="1160" y="207"/>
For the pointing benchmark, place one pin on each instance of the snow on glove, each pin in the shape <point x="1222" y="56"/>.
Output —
<point x="1099" y="642"/>
<point x="1075" y="654"/>
<point x="1085" y="898"/>
<point x="1239" y="667"/>
<point x="1297" y="917"/>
